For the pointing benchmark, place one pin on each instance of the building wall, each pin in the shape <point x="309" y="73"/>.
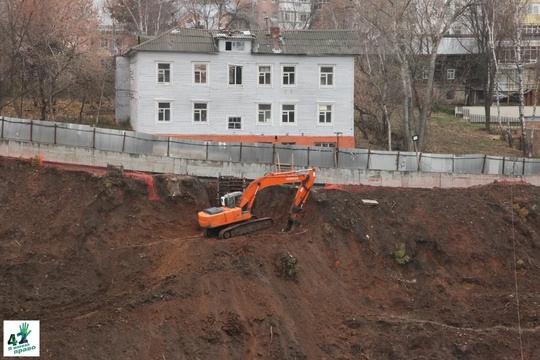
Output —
<point x="241" y="100"/>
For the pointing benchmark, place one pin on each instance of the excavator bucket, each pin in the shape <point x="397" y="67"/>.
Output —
<point x="290" y="223"/>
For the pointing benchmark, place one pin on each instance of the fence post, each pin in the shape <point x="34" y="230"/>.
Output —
<point x="94" y="139"/>
<point x="484" y="164"/>
<point x="504" y="158"/>
<point x="240" y="155"/>
<point x="368" y="158"/>
<point x="31" y="129"/>
<point x="308" y="155"/>
<point x="523" y="170"/>
<point x="168" y="146"/>
<point x="397" y="161"/>
<point x="207" y="150"/>
<point x="54" y="135"/>
<point x="2" y="132"/>
<point x="124" y="141"/>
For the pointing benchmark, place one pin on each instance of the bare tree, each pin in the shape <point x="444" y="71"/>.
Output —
<point x="46" y="41"/>
<point x="486" y="22"/>
<point x="219" y="14"/>
<point x="144" y="17"/>
<point x="413" y="29"/>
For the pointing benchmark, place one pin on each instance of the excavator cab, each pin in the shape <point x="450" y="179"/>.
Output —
<point x="231" y="199"/>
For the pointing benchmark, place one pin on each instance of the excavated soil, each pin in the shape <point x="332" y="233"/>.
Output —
<point x="112" y="274"/>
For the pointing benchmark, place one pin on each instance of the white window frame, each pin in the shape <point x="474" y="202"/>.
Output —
<point x="259" y="75"/>
<point x="159" y="110"/>
<point x="295" y="75"/>
<point x="331" y="76"/>
<point x="295" y="113"/>
<point x="228" y="123"/>
<point x="158" y="73"/>
<point x="331" y="111"/>
<point x="425" y="72"/>
<point x="207" y="72"/>
<point x="264" y="123"/>
<point x="236" y="66"/>
<point x="450" y="74"/>
<point x="236" y="45"/>
<point x="193" y="112"/>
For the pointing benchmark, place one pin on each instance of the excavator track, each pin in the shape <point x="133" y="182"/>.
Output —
<point x="246" y="227"/>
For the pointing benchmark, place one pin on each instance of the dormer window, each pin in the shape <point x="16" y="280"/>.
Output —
<point x="234" y="46"/>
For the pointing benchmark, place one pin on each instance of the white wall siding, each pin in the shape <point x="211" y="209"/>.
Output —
<point x="241" y="100"/>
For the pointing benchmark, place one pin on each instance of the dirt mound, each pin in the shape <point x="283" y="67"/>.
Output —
<point x="425" y="274"/>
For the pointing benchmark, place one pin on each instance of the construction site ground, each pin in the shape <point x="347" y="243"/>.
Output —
<point x="113" y="273"/>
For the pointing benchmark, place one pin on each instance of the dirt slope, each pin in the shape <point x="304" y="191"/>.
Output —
<point x="114" y="275"/>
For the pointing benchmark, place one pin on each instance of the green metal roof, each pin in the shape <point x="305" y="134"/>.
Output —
<point x="291" y="42"/>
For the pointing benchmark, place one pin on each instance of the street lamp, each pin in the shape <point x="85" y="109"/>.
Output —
<point x="336" y="152"/>
<point x="415" y="140"/>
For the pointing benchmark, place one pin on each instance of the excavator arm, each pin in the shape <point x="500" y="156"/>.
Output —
<point x="305" y="177"/>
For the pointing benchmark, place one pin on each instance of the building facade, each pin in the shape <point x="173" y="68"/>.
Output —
<point x="288" y="87"/>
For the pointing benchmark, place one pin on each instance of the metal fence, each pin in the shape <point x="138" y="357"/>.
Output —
<point x="46" y="132"/>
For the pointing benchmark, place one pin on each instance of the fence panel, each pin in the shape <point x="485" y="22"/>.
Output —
<point x="179" y="148"/>
<point x="532" y="166"/>
<point x="383" y="160"/>
<point x="223" y="151"/>
<point x="44" y="132"/>
<point x="109" y="140"/>
<point x="74" y="135"/>
<point x="322" y="157"/>
<point x="494" y="165"/>
<point x="257" y="153"/>
<point x="407" y="161"/>
<point x="513" y="166"/>
<point x="469" y="164"/>
<point x="16" y="129"/>
<point x="439" y="163"/>
<point x="353" y="158"/>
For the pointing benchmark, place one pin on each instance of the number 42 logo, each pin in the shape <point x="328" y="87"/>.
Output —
<point x="23" y="334"/>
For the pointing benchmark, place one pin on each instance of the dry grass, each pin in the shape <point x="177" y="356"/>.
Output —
<point x="451" y="135"/>
<point x="448" y="134"/>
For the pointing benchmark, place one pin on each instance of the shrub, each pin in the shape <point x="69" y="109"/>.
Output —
<point x="401" y="257"/>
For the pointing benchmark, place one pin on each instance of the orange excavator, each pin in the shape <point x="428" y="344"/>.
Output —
<point x="235" y="216"/>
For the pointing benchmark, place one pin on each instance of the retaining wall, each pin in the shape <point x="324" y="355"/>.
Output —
<point x="213" y="169"/>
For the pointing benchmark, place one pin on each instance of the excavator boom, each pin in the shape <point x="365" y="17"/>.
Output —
<point x="237" y="219"/>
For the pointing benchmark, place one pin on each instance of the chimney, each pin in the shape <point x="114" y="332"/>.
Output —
<point x="274" y="35"/>
<point x="274" y="32"/>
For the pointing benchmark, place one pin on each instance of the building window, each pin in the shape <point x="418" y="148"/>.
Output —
<point x="289" y="75"/>
<point x="234" y="123"/>
<point x="325" y="114"/>
<point x="104" y="43"/>
<point x="325" y="144"/>
<point x="327" y="76"/>
<point x="264" y="112"/>
<point x="235" y="75"/>
<point x="163" y="111"/>
<point x="450" y="74"/>
<point x="164" y="73"/>
<point x="200" y="73"/>
<point x="288" y="113"/>
<point x="200" y="112"/>
<point x="265" y="75"/>
<point x="425" y="72"/>
<point x="234" y="45"/>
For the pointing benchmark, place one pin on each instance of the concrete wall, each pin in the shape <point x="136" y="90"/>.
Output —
<point x="212" y="169"/>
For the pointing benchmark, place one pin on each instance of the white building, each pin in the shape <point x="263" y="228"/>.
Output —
<point x="293" y="87"/>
